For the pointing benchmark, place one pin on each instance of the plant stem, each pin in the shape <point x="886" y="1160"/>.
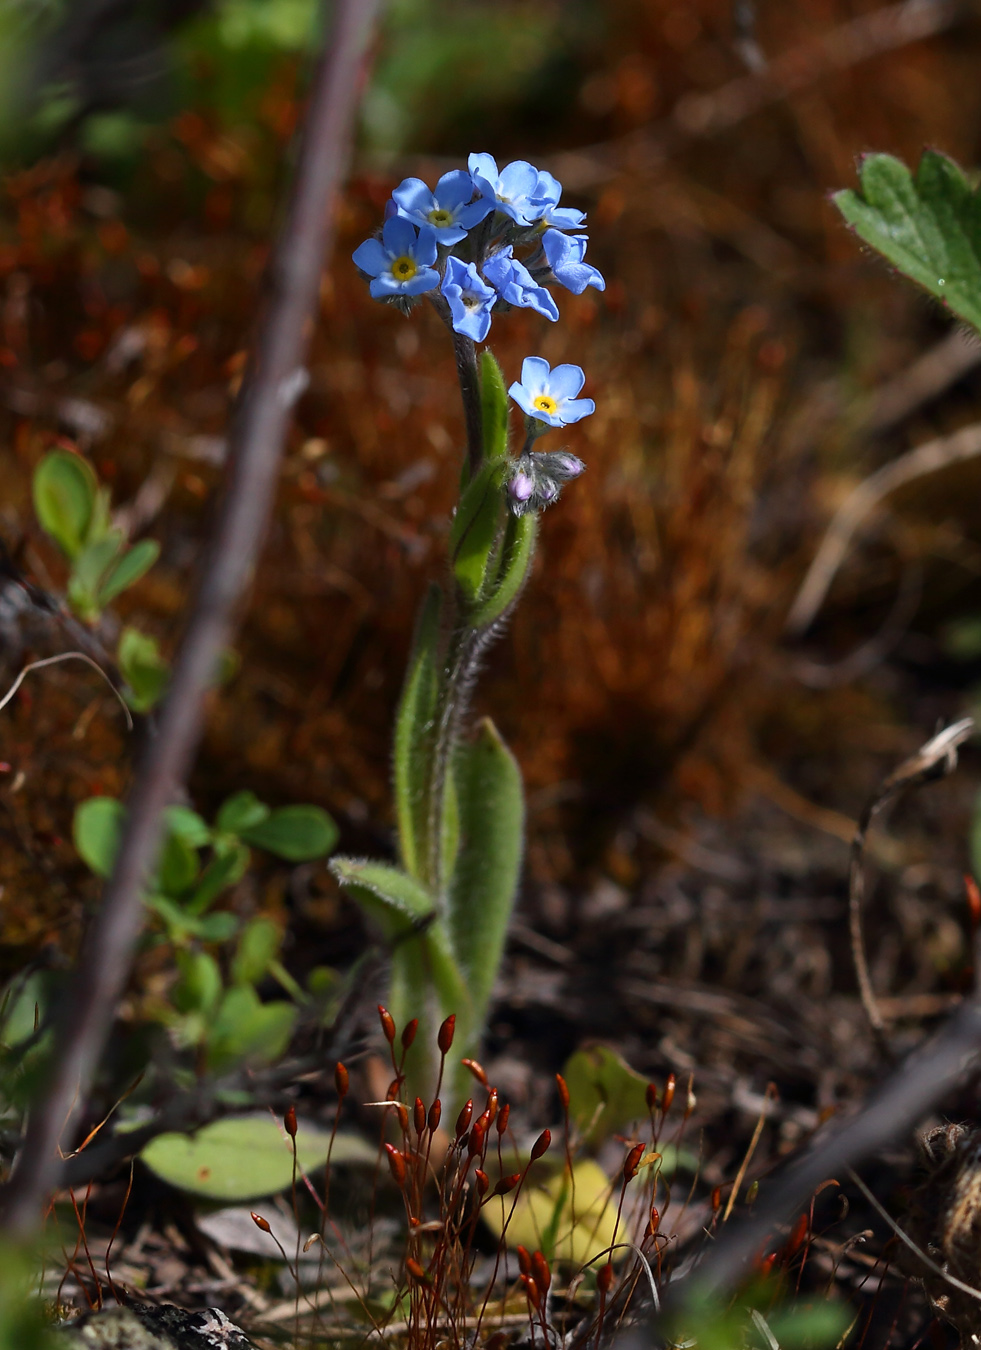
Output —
<point x="466" y="369"/>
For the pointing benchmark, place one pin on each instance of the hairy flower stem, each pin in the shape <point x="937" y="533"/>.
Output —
<point x="459" y="669"/>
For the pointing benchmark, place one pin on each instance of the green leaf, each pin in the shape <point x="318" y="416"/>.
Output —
<point x="397" y="902"/>
<point x="493" y="407"/>
<point x="517" y="552"/>
<point x="180" y="925"/>
<point x="605" y="1094"/>
<point x="476" y="528"/>
<point x="128" y="569"/>
<point x="64" y="490"/>
<point x="414" y="728"/>
<point x="199" y="987"/>
<point x="96" y="830"/>
<point x="245" y="1030"/>
<point x="245" y="1157"/>
<point x="217" y="927"/>
<point x="187" y="825"/>
<point x="226" y="868"/>
<point x="484" y="884"/>
<point x="178" y="868"/>
<point x="258" y="947"/>
<point x="929" y="227"/>
<point x="581" y="1218"/>
<point x="144" y="669"/>
<point x="240" y="812"/>
<point x="296" y="833"/>
<point x="87" y="572"/>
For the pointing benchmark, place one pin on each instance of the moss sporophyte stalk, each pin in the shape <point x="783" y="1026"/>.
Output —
<point x="483" y="241"/>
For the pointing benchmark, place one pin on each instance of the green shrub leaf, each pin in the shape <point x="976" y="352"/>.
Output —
<point x="246" y="1157"/>
<point x="258" y="947"/>
<point x="605" y="1094"/>
<point x="199" y="987"/>
<point x="127" y="570"/>
<point x="96" y="831"/>
<point x="143" y="668"/>
<point x="245" y="1030"/>
<point x="296" y="833"/>
<point x="64" y="490"/>
<point x="241" y="812"/>
<point x="928" y="226"/>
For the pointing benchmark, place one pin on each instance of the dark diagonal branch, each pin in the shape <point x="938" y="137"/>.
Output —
<point x="273" y="383"/>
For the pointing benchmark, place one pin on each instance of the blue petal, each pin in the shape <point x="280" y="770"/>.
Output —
<point x="424" y="280"/>
<point x="564" y="217"/>
<point x="370" y="257"/>
<point x="385" y="285"/>
<point x="453" y="189"/>
<point x="399" y="236"/>
<point x="547" y="189"/>
<point x="413" y="197"/>
<point x="425" y="248"/>
<point x="469" y="216"/>
<point x="523" y="398"/>
<point x="565" y="382"/>
<point x="534" y="375"/>
<point x="448" y="234"/>
<point x="576" y="409"/>
<point x="518" y="180"/>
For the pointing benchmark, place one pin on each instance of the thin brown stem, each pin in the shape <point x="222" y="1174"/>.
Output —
<point x="273" y="382"/>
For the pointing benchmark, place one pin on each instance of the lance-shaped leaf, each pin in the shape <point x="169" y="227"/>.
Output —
<point x="475" y="531"/>
<point x="516" y="554"/>
<point x="484" y="884"/>
<point x="928" y="226"/>
<point x="414" y="729"/>
<point x="493" y="407"/>
<point x="127" y="570"/>
<point x="398" y="903"/>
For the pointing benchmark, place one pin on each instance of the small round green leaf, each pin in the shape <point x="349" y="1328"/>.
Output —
<point x="64" y="490"/>
<point x="96" y="830"/>
<point x="296" y="833"/>
<point x="240" y="812"/>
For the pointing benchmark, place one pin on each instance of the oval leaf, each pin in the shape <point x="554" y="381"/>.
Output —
<point x="96" y="830"/>
<point x="296" y="833"/>
<point x="64" y="494"/>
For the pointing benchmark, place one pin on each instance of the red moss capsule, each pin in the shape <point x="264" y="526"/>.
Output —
<point x="445" y="1038"/>
<point x="289" y="1121"/>
<point x="260" y="1222"/>
<point x="668" y="1097"/>
<point x="798" y="1235"/>
<point x="650" y="1096"/>
<point x="409" y="1034"/>
<point x="477" y="1137"/>
<point x="416" y="1270"/>
<point x="396" y="1163"/>
<point x="476" y="1069"/>
<point x="393" y="1090"/>
<point x="507" y="1184"/>
<point x="402" y="1111"/>
<point x="541" y="1145"/>
<point x="388" y="1024"/>
<point x="654" y="1222"/>
<point x="632" y="1162"/>
<point x="540" y="1271"/>
<point x="973" y="900"/>
<point x="531" y="1289"/>
<point x="435" y="1112"/>
<point x="563" y="1088"/>
<point x="483" y="1182"/>
<point x="464" y="1118"/>
<point x="716" y="1199"/>
<point x="419" y="1115"/>
<point x="604" y="1278"/>
<point x="765" y="1264"/>
<point x="342" y="1080"/>
<point x="491" y="1107"/>
<point x="502" y="1118"/>
<point x="524" y="1259"/>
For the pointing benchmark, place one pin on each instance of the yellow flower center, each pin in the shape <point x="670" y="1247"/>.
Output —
<point x="545" y="404"/>
<point x="404" y="268"/>
<point x="439" y="216"/>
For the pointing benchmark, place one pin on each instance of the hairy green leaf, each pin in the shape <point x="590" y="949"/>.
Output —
<point x="493" y="407"/>
<point x="296" y="833"/>
<point x="928" y="226"/>
<point x="484" y="884"/>
<point x="414" y="729"/>
<point x="516" y="554"/>
<point x="475" y="531"/>
<point x="64" y="490"/>
<point x="397" y="902"/>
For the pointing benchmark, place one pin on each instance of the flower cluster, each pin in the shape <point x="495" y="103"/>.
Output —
<point x="460" y="241"/>
<point x="458" y="244"/>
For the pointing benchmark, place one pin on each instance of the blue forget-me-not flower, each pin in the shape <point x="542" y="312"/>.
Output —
<point x="515" y="284"/>
<point x="469" y="297"/>
<point x="401" y="262"/>
<point x="565" y="253"/>
<point x="548" y="395"/>
<point x="448" y="211"/>
<point x="513" y="190"/>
